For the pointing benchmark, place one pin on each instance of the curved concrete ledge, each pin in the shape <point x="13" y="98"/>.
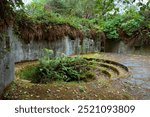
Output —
<point x="109" y="62"/>
<point x="110" y="67"/>
<point x="115" y="63"/>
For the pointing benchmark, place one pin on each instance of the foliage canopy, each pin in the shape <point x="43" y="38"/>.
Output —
<point x="117" y="18"/>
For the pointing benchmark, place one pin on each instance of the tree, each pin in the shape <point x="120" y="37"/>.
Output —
<point x="7" y="11"/>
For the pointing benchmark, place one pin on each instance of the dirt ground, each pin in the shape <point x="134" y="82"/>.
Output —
<point x="99" y="89"/>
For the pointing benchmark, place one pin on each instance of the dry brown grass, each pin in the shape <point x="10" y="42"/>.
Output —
<point x="40" y="31"/>
<point x="138" y="38"/>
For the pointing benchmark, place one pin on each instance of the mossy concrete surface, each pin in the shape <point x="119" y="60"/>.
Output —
<point x="6" y="59"/>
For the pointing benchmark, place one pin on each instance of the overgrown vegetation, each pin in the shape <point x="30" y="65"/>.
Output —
<point x="53" y="19"/>
<point x="7" y="12"/>
<point x="132" y="27"/>
<point x="61" y="68"/>
<point x="28" y="31"/>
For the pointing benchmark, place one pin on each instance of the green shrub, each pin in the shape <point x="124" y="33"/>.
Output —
<point x="131" y="25"/>
<point x="110" y="27"/>
<point x="61" y="68"/>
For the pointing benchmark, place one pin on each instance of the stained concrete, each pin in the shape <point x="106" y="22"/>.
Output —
<point x="121" y="48"/>
<point x="6" y="59"/>
<point x="33" y="50"/>
<point x="139" y="66"/>
<point x="14" y="49"/>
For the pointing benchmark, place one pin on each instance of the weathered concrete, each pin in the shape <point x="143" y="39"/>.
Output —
<point x="6" y="59"/>
<point x="139" y="67"/>
<point x="33" y="50"/>
<point x="13" y="49"/>
<point x="121" y="48"/>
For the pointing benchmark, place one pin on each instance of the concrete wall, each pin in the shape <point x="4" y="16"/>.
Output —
<point x="6" y="59"/>
<point x="13" y="49"/>
<point x="33" y="50"/>
<point x="121" y="48"/>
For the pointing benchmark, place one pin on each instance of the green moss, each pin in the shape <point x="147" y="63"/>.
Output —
<point x="27" y="73"/>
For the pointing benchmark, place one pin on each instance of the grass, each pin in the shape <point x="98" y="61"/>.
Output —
<point x="27" y="73"/>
